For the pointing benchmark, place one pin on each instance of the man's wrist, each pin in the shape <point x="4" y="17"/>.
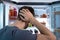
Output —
<point x="32" y="20"/>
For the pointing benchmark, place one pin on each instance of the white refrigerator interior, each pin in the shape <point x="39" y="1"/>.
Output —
<point x="7" y="8"/>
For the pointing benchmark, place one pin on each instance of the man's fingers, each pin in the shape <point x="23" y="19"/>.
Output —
<point x="27" y="10"/>
<point x="22" y="18"/>
<point x="22" y="12"/>
<point x="22" y="15"/>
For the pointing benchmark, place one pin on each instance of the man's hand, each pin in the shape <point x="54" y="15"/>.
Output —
<point x="26" y="14"/>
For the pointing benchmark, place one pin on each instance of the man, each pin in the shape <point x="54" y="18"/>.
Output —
<point x="16" y="30"/>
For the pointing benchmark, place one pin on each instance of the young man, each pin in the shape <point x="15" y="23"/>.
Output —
<point x="16" y="30"/>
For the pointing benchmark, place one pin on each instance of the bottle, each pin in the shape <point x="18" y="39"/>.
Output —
<point x="29" y="25"/>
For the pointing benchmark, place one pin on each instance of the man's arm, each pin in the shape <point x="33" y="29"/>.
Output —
<point x="45" y="33"/>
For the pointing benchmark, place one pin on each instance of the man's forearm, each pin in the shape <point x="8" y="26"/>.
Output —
<point x="42" y="28"/>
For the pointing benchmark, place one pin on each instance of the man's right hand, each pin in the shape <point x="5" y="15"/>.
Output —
<point x="26" y="14"/>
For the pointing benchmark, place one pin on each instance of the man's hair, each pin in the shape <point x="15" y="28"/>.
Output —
<point x="26" y="7"/>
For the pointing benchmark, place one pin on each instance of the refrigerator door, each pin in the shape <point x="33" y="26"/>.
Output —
<point x="1" y="15"/>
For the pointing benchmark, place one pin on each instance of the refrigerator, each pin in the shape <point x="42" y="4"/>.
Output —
<point x="38" y="9"/>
